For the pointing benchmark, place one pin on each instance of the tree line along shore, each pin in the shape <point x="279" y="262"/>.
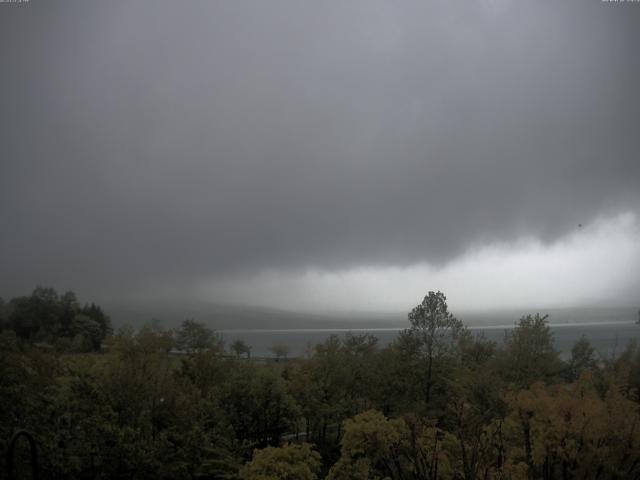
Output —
<point x="436" y="403"/>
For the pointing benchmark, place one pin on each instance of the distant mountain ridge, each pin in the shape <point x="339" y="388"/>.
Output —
<point x="230" y="317"/>
<point x="237" y="317"/>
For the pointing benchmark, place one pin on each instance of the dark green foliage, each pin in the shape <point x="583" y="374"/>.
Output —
<point x="46" y="317"/>
<point x="529" y="355"/>
<point x="290" y="462"/>
<point x="626" y="369"/>
<point x="583" y="359"/>
<point x="194" y="336"/>
<point x="39" y="316"/>
<point x="257" y="406"/>
<point x="94" y="312"/>
<point x="280" y="350"/>
<point x="439" y="402"/>
<point x="431" y="346"/>
<point x="4" y="315"/>
<point x="239" y="347"/>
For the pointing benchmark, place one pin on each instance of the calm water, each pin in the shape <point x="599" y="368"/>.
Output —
<point x="607" y="338"/>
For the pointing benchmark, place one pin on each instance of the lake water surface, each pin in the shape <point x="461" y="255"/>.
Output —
<point x="607" y="338"/>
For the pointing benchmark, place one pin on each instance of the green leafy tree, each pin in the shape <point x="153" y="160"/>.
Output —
<point x="529" y="354"/>
<point x="625" y="369"/>
<point x="374" y="447"/>
<point x="555" y="431"/>
<point x="27" y="391"/>
<point x="194" y="336"/>
<point x="257" y="405"/>
<point x="280" y="350"/>
<point x="96" y="313"/>
<point x="239" y="347"/>
<point x="4" y="315"/>
<point x="360" y="354"/>
<point x="290" y="462"/>
<point x="475" y="409"/>
<point x="583" y="359"/>
<point x="47" y="317"/>
<point x="431" y="343"/>
<point x="35" y="317"/>
<point x="67" y="309"/>
<point x="87" y="333"/>
<point x="327" y="404"/>
<point x="207" y="371"/>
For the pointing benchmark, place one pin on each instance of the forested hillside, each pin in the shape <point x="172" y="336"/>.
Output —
<point x="438" y="403"/>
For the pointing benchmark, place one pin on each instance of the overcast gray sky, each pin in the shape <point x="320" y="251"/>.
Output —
<point x="322" y="155"/>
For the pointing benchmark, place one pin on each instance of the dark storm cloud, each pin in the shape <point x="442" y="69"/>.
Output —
<point x="177" y="140"/>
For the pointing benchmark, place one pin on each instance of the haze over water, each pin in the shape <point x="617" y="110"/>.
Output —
<point x="609" y="332"/>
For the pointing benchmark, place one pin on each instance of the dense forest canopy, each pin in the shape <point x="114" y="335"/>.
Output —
<point x="437" y="403"/>
<point x="47" y="317"/>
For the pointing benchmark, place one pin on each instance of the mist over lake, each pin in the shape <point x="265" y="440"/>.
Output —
<point x="608" y="330"/>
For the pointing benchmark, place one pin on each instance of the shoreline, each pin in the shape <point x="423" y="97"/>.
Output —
<point x="399" y="329"/>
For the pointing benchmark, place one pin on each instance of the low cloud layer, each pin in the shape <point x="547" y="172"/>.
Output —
<point x="154" y="146"/>
<point x="597" y="265"/>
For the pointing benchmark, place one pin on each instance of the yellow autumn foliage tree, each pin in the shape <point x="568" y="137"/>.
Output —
<point x="290" y="462"/>
<point x="571" y="431"/>
<point x="374" y="448"/>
